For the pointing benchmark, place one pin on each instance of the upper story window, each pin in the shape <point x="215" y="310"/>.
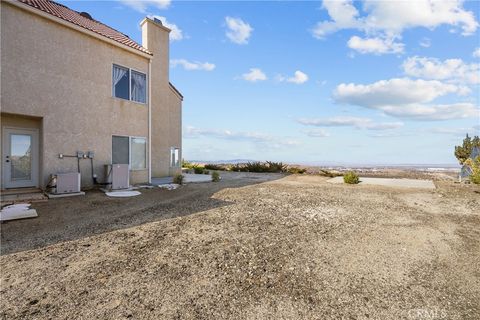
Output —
<point x="139" y="87"/>
<point x="121" y="82"/>
<point x="129" y="84"/>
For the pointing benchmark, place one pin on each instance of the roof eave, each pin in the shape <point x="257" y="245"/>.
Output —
<point x="70" y="25"/>
<point x="175" y="90"/>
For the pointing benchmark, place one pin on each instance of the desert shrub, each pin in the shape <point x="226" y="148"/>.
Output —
<point x="187" y="165"/>
<point x="237" y="167"/>
<point x="276" y="166"/>
<point x="475" y="167"/>
<point x="214" y="167"/>
<point x="215" y="176"/>
<point x="351" y="177"/>
<point x="240" y="167"/>
<point x="178" y="178"/>
<point x="198" y="169"/>
<point x="256" y="166"/>
<point x="329" y="174"/>
<point x="296" y="170"/>
<point x="206" y="172"/>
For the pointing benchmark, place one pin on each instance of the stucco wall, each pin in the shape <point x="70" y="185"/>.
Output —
<point x="166" y="105"/>
<point x="64" y="77"/>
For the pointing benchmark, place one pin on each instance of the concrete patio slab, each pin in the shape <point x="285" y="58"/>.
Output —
<point x="189" y="178"/>
<point x="193" y="178"/>
<point x="163" y="180"/>
<point x="391" y="182"/>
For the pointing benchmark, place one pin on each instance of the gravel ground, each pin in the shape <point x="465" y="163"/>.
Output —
<point x="254" y="246"/>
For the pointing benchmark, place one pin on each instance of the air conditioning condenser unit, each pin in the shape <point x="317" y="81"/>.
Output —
<point x="67" y="183"/>
<point x="118" y="175"/>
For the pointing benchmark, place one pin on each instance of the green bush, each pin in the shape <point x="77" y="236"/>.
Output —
<point x="475" y="167"/>
<point x="463" y="152"/>
<point x="329" y="174"/>
<point x="237" y="167"/>
<point x="351" y="178"/>
<point x="214" y="167"/>
<point x="215" y="176"/>
<point x="475" y="177"/>
<point x="276" y="166"/>
<point x="198" y="169"/>
<point x="257" y="166"/>
<point x="178" y="179"/>
<point x="187" y="165"/>
<point x="296" y="170"/>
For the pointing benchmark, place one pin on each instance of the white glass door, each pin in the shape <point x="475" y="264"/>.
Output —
<point x="20" y="158"/>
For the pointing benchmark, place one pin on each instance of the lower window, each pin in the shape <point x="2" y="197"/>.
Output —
<point x="138" y="147"/>
<point x="174" y="157"/>
<point x="130" y="150"/>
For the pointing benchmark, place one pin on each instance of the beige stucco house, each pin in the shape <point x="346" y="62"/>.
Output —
<point x="70" y="84"/>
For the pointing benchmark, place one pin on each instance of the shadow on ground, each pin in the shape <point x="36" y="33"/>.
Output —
<point x="66" y="219"/>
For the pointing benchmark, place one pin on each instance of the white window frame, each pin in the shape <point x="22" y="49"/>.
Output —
<point x="130" y="151"/>
<point x="146" y="87"/>
<point x="179" y="163"/>
<point x="130" y="84"/>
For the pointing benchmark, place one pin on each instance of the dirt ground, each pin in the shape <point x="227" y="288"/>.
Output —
<point x="253" y="246"/>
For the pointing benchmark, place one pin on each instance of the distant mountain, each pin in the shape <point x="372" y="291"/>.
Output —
<point x="338" y="164"/>
<point x="232" y="161"/>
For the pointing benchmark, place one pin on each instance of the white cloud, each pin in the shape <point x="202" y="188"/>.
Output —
<point x="254" y="75"/>
<point x="356" y="122"/>
<point x="142" y="5"/>
<point x="389" y="134"/>
<point x="384" y="126"/>
<point x="434" y="112"/>
<point x="176" y="33"/>
<point x="298" y="78"/>
<point x="188" y="65"/>
<point x="388" y="19"/>
<point x="238" y="31"/>
<point x="395" y="91"/>
<point x="396" y="16"/>
<point x="265" y="140"/>
<point x="406" y="98"/>
<point x="317" y="133"/>
<point x="456" y="131"/>
<point x="425" y="42"/>
<point x="454" y="70"/>
<point x="375" y="45"/>
<point x="343" y="15"/>
<point x="476" y="53"/>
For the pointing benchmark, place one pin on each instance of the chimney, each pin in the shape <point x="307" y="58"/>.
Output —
<point x="155" y="38"/>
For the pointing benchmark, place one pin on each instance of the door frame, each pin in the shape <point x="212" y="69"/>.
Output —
<point x="35" y="153"/>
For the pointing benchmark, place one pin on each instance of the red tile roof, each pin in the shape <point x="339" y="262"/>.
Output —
<point x="67" y="14"/>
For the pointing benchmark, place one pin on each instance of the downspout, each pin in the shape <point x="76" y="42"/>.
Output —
<point x="150" y="120"/>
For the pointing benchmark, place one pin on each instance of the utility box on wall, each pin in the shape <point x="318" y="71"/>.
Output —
<point x="118" y="175"/>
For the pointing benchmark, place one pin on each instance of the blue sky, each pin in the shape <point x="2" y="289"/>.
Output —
<point x="363" y="82"/>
